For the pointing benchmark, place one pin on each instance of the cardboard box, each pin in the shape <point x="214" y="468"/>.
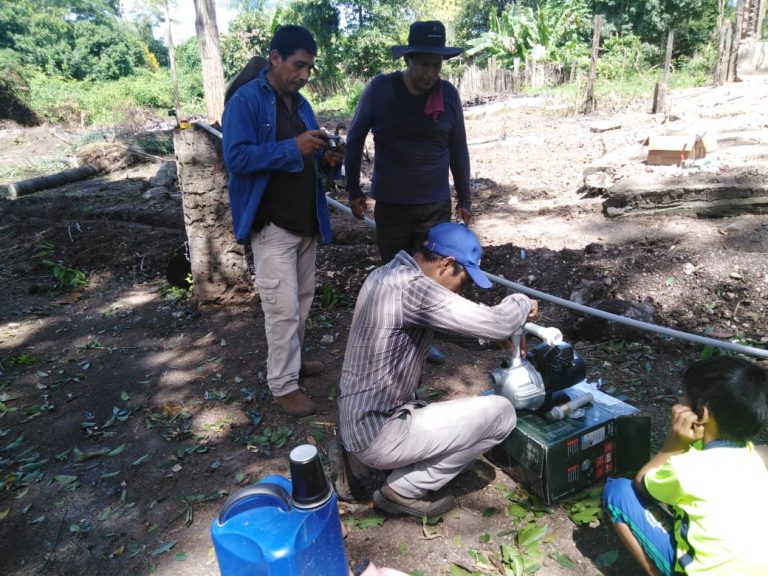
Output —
<point x="555" y="459"/>
<point x="672" y="149"/>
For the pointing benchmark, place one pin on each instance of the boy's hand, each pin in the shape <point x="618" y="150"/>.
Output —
<point x="685" y="430"/>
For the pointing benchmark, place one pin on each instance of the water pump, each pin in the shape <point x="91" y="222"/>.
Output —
<point x="530" y="381"/>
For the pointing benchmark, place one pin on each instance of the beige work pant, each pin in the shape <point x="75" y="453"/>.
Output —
<point x="426" y="447"/>
<point x="285" y="276"/>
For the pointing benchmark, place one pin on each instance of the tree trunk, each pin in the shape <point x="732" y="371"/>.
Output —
<point x="172" y="61"/>
<point x="219" y="267"/>
<point x="721" y="66"/>
<point x="752" y="19"/>
<point x="210" y="58"/>
<point x="591" y="104"/>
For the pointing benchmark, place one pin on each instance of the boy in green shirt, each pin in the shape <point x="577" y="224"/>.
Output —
<point x="694" y="508"/>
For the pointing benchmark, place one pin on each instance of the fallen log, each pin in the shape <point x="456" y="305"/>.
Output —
<point x="96" y="158"/>
<point x="704" y="199"/>
<point x="32" y="185"/>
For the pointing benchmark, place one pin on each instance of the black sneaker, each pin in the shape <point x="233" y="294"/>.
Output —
<point x="389" y="501"/>
<point x="352" y="480"/>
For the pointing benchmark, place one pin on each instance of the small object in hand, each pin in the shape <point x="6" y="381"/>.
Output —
<point x="334" y="142"/>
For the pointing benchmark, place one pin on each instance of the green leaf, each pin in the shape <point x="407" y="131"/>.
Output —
<point x="124" y="396"/>
<point x="457" y="570"/>
<point x="485" y="538"/>
<point x="531" y="565"/>
<point x="563" y="560"/>
<point x="531" y="534"/>
<point x="4" y="513"/>
<point x="586" y="515"/>
<point x="141" y="460"/>
<point x="488" y="512"/>
<point x="180" y="556"/>
<point x="80" y="456"/>
<point x="163" y="549"/>
<point x="240" y="478"/>
<point x="117" y="450"/>
<point x="607" y="558"/>
<point x="516" y="510"/>
<point x="5" y="408"/>
<point x="109" y="474"/>
<point x="16" y="443"/>
<point x="65" y="479"/>
<point x="366" y="522"/>
<point x="670" y="280"/>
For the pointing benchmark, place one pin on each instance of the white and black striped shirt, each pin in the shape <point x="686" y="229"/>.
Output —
<point x="398" y="310"/>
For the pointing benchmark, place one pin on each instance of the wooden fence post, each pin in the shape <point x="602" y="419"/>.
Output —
<point x="660" y="94"/>
<point x="733" y="74"/>
<point x="591" y="104"/>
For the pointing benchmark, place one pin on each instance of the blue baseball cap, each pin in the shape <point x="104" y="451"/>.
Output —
<point x="458" y="241"/>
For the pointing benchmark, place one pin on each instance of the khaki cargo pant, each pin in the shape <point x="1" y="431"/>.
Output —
<point x="284" y="266"/>
<point x="426" y="447"/>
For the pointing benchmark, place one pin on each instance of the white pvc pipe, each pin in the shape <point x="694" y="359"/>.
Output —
<point x="732" y="346"/>
<point x="740" y="348"/>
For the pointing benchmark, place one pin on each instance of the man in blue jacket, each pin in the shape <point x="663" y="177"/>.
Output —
<point x="274" y="150"/>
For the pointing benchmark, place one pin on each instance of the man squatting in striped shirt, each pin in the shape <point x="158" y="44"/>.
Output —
<point x="382" y="423"/>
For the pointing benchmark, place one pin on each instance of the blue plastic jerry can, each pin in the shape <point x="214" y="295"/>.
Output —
<point x="282" y="527"/>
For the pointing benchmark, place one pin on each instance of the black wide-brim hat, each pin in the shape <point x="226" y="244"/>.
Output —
<point x="426" y="38"/>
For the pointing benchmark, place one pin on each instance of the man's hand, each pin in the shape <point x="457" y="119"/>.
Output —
<point x="333" y="158"/>
<point x="310" y="141"/>
<point x="463" y="215"/>
<point x="359" y="207"/>
<point x="534" y="310"/>
<point x="685" y="430"/>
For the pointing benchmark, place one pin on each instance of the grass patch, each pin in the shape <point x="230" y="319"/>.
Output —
<point x="617" y="93"/>
<point x="32" y="167"/>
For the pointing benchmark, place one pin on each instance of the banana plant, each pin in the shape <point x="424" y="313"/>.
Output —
<point x="555" y="31"/>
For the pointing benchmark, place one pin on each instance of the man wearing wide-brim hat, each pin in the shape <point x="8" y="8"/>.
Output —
<point x="418" y="133"/>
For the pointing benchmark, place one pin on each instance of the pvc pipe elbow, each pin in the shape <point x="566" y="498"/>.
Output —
<point x="550" y="335"/>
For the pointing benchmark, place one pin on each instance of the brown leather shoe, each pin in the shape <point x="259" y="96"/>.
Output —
<point x="297" y="404"/>
<point x="309" y="369"/>
<point x="392" y="503"/>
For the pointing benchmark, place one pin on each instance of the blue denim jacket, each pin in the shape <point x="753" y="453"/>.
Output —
<point x="251" y="154"/>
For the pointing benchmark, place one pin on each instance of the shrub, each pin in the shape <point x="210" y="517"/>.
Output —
<point x="624" y="56"/>
<point x="15" y="92"/>
<point x="114" y="102"/>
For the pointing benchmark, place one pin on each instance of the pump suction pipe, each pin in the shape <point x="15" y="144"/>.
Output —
<point x="732" y="346"/>
<point x="647" y="327"/>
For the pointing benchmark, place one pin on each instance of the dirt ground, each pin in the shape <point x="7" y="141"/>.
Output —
<point x="126" y="416"/>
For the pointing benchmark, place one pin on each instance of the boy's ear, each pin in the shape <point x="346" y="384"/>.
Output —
<point x="704" y="416"/>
